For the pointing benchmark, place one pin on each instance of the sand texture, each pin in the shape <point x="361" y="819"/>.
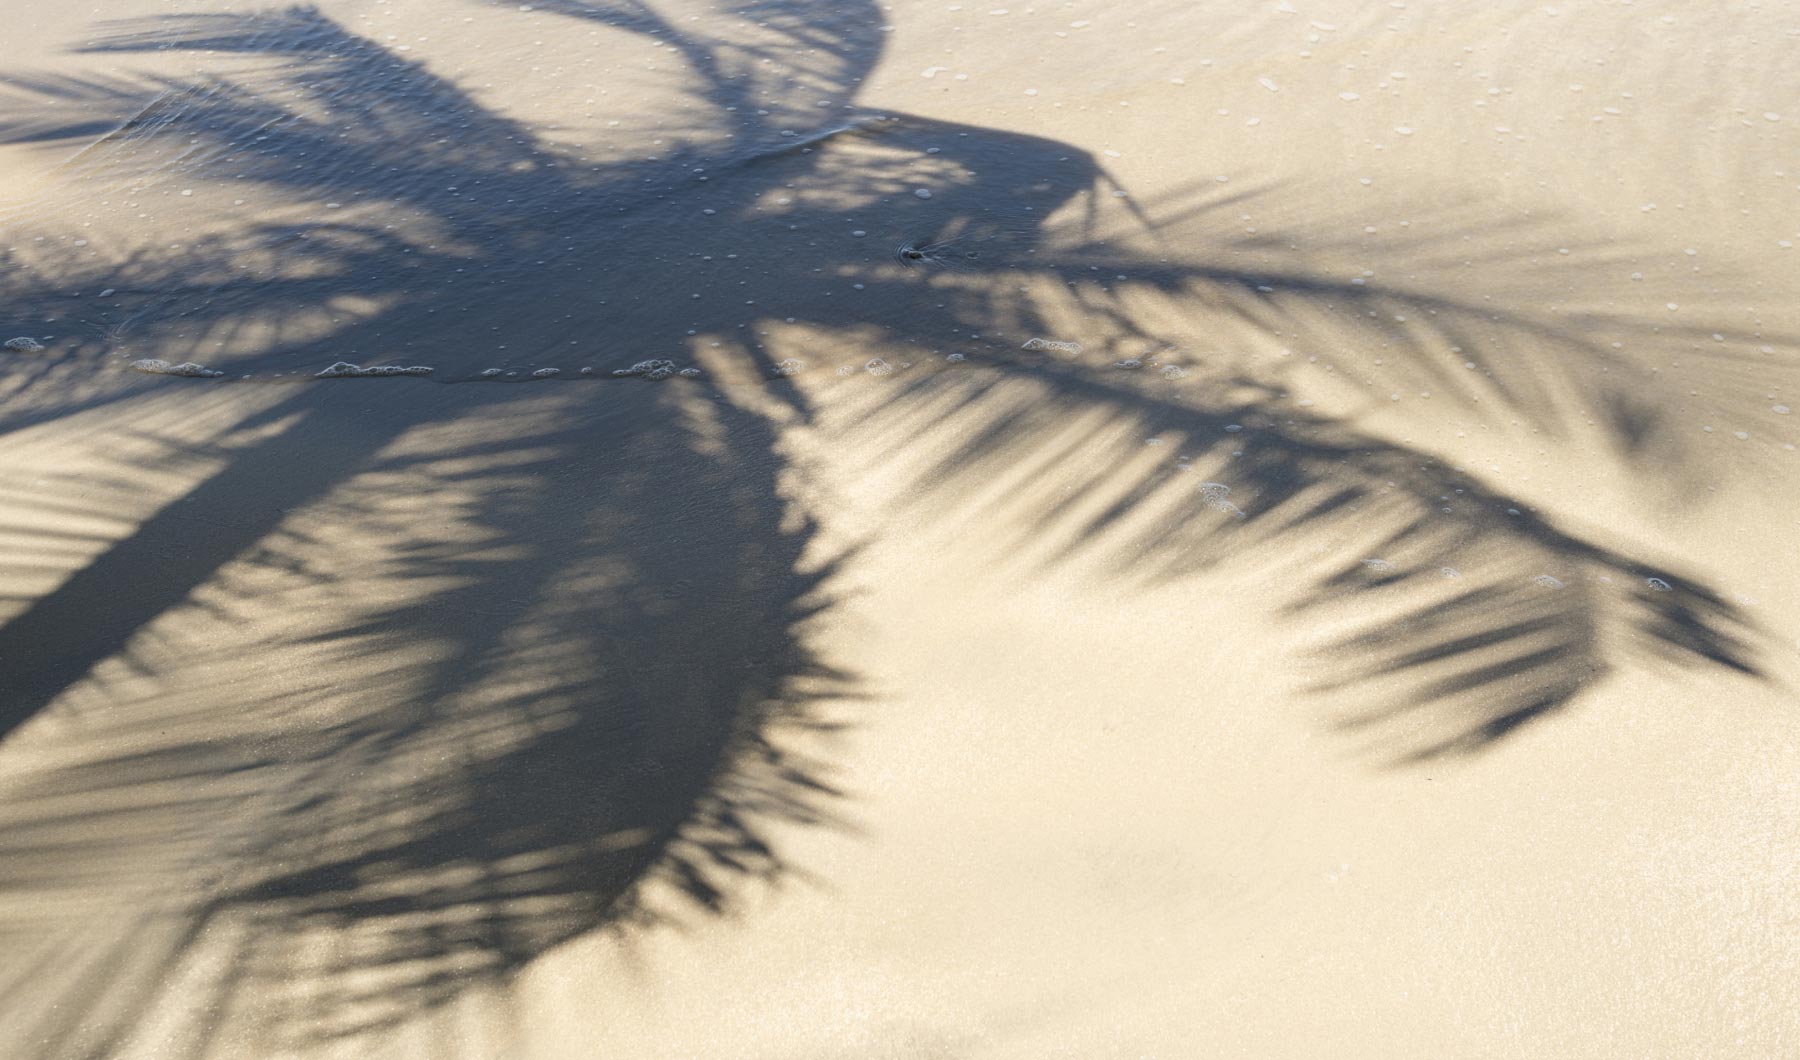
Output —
<point x="542" y="531"/>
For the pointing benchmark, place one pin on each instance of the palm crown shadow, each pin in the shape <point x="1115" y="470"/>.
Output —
<point x="617" y="666"/>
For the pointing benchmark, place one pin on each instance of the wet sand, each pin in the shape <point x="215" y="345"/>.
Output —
<point x="1377" y="639"/>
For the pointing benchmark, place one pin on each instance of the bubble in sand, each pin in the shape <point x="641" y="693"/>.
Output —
<point x="346" y="370"/>
<point x="791" y="366"/>
<point x="1449" y="573"/>
<point x="185" y="368"/>
<point x="1130" y="366"/>
<point x="1379" y="566"/>
<point x="1052" y="346"/>
<point x="24" y="344"/>
<point x="653" y="369"/>
<point x="1547" y="581"/>
<point x="846" y="369"/>
<point x="1173" y="371"/>
<point x="1659" y="585"/>
<point x="546" y="373"/>
<point x="877" y="366"/>
<point x="923" y="193"/>
<point x="957" y="358"/>
<point x="1214" y="495"/>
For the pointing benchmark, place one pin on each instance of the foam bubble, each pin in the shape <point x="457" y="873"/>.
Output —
<point x="689" y="373"/>
<point x="1379" y="566"/>
<point x="1130" y="366"/>
<point x="346" y="370"/>
<point x="957" y="358"/>
<point x="791" y="366"/>
<point x="491" y="373"/>
<point x="1214" y="495"/>
<point x="877" y="366"/>
<point x="546" y="373"/>
<point x="653" y="369"/>
<point x="1658" y="584"/>
<point x="1547" y="581"/>
<point x="185" y="368"/>
<point x="24" y="344"/>
<point x="1052" y="346"/>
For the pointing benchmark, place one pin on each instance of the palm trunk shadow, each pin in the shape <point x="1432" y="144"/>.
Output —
<point x="90" y="617"/>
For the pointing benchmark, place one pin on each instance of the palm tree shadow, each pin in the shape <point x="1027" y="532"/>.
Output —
<point x="580" y="704"/>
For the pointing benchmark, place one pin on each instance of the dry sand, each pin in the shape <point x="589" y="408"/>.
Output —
<point x="933" y="713"/>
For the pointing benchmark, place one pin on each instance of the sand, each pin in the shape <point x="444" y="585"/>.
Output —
<point x="1375" y="636"/>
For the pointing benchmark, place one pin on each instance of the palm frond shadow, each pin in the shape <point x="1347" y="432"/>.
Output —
<point x="1461" y="612"/>
<point x="595" y="731"/>
<point x="584" y="704"/>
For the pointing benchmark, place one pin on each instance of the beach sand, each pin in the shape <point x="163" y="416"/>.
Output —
<point x="1379" y="638"/>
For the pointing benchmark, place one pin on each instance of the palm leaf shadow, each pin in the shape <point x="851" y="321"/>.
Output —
<point x="1469" y="613"/>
